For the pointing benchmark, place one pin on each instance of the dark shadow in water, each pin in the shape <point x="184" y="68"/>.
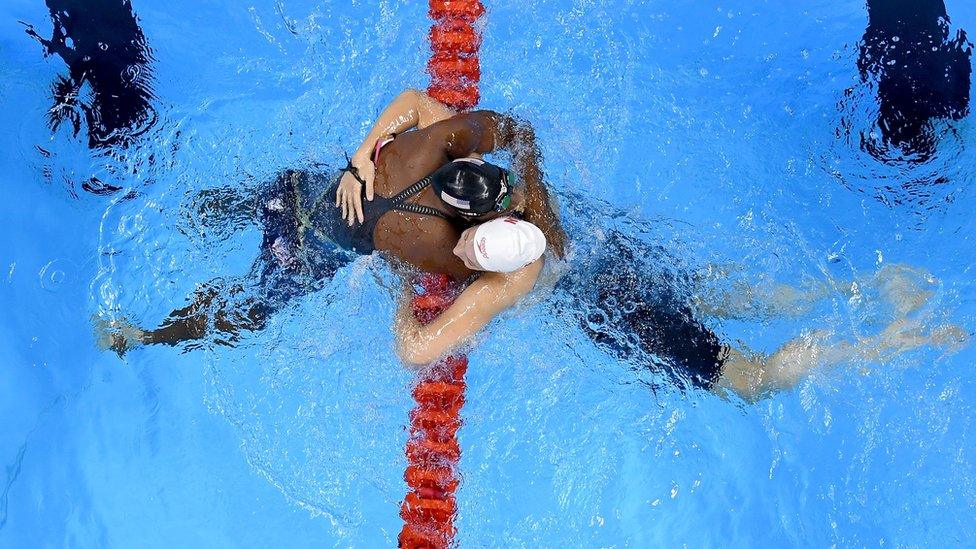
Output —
<point x="921" y="72"/>
<point x="104" y="47"/>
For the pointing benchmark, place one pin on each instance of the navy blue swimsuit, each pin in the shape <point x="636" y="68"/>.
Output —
<point x="641" y="312"/>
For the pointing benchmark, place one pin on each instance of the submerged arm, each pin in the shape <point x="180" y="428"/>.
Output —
<point x="518" y="137"/>
<point x="480" y="302"/>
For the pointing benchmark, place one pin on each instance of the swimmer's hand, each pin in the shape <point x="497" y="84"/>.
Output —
<point x="348" y="195"/>
<point x="117" y="335"/>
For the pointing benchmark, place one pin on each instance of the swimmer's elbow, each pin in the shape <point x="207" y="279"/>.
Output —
<point x="425" y="347"/>
<point x="413" y="349"/>
<point x="416" y="354"/>
<point x="524" y="279"/>
<point x="413" y="94"/>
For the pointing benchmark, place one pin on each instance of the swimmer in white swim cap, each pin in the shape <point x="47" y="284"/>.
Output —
<point x="501" y="245"/>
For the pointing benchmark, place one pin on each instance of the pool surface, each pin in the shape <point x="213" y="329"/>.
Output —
<point x="740" y="139"/>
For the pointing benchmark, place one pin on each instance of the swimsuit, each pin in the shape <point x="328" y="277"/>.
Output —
<point x="293" y="259"/>
<point x="305" y="237"/>
<point x="641" y="312"/>
<point x="359" y="237"/>
<point x="325" y="217"/>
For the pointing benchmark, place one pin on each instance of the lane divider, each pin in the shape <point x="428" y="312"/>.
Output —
<point x="454" y="40"/>
<point x="432" y="451"/>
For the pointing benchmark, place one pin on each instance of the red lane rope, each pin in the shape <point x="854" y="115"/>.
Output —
<point x="453" y="67"/>
<point x="432" y="449"/>
<point x="433" y="452"/>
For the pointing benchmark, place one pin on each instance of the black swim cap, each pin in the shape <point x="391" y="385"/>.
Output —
<point x="473" y="187"/>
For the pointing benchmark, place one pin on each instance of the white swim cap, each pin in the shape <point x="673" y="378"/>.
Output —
<point x="507" y="244"/>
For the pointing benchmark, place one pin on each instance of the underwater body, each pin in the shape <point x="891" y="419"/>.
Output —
<point x="700" y="154"/>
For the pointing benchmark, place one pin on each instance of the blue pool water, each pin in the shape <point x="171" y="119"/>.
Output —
<point x="728" y="133"/>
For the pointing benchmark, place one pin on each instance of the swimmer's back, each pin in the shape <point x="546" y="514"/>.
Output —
<point x="423" y="241"/>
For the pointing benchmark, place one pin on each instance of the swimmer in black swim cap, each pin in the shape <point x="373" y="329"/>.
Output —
<point x="474" y="188"/>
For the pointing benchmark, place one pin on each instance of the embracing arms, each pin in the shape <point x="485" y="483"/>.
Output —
<point x="518" y="137"/>
<point x="486" y="131"/>
<point x="491" y="293"/>
<point x="476" y="132"/>
<point x="480" y="302"/>
<point x="411" y="109"/>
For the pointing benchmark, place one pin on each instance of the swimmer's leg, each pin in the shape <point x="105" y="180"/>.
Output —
<point x="223" y="210"/>
<point x="719" y="294"/>
<point x="906" y="288"/>
<point x="753" y="375"/>
<point x="229" y="307"/>
<point x="759" y="301"/>
<point x="213" y="305"/>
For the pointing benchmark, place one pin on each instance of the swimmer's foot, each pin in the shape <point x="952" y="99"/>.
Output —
<point x="118" y="335"/>
<point x="904" y="335"/>
<point x="906" y="288"/>
<point x="950" y="338"/>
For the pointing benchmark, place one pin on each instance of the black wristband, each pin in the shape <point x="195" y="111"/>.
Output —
<point x="353" y="170"/>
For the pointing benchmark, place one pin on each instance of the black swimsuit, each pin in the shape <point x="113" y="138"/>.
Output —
<point x="305" y="237"/>
<point x="640" y="311"/>
<point x="359" y="237"/>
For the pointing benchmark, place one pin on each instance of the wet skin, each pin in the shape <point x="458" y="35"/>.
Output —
<point x="427" y="242"/>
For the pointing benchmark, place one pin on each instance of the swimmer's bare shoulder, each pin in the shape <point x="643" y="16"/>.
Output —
<point x="423" y="242"/>
<point x="427" y="242"/>
<point x="487" y="131"/>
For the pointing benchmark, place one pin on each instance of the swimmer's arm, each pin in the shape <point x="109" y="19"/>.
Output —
<point x="480" y="302"/>
<point x="518" y="137"/>
<point x="411" y="109"/>
<point x="487" y="131"/>
<point x="539" y="210"/>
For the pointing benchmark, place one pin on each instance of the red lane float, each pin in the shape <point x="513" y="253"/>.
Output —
<point x="454" y="37"/>
<point x="432" y="450"/>
<point x="454" y="66"/>
<point x="449" y="65"/>
<point x="465" y="10"/>
<point x="457" y="97"/>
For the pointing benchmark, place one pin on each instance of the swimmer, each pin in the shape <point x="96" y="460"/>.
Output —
<point x="920" y="69"/>
<point x="636" y="308"/>
<point x="109" y="84"/>
<point x="409" y="192"/>
<point x="437" y="206"/>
